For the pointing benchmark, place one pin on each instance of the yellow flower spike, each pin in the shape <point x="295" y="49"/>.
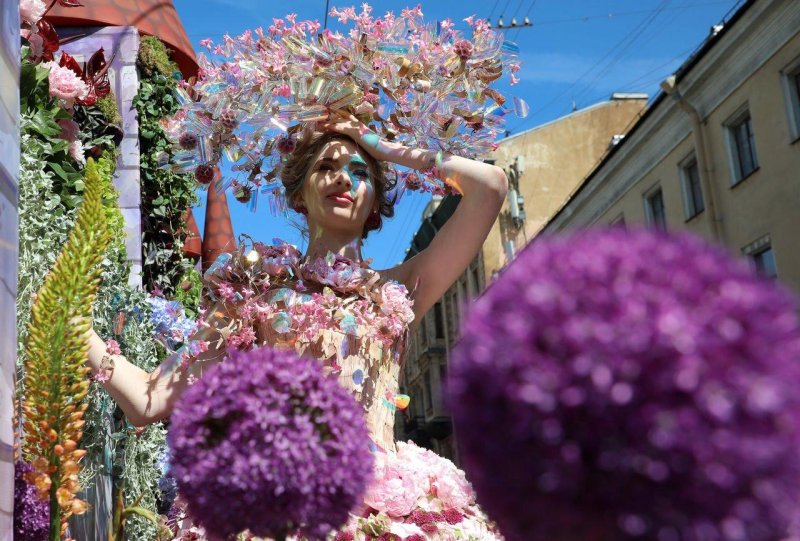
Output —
<point x="55" y="380"/>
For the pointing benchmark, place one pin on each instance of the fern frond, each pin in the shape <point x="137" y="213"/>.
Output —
<point x="56" y="374"/>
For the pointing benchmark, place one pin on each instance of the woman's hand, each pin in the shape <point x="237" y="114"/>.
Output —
<point x="347" y="124"/>
<point x="383" y="151"/>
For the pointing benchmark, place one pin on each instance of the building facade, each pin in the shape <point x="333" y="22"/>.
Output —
<point x="718" y="152"/>
<point x="544" y="166"/>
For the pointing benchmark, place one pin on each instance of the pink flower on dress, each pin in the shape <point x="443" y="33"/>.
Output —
<point x="396" y="487"/>
<point x="278" y="260"/>
<point x="336" y="271"/>
<point x="65" y="85"/>
<point x="395" y="302"/>
<point x="243" y="339"/>
<point x="31" y="11"/>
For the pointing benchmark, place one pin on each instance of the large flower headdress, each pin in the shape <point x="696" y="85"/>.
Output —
<point x="425" y="85"/>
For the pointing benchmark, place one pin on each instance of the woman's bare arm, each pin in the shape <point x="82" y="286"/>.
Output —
<point x="147" y="397"/>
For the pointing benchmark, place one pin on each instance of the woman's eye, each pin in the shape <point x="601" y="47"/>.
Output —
<point x="325" y="167"/>
<point x="361" y="173"/>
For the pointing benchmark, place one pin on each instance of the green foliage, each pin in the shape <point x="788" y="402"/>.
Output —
<point x="56" y="381"/>
<point x="165" y="195"/>
<point x="154" y="59"/>
<point x="108" y="106"/>
<point x="188" y="294"/>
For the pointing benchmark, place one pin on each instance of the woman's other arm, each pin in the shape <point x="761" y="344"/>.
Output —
<point x="147" y="397"/>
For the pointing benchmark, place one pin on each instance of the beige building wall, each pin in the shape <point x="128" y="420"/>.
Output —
<point x="557" y="156"/>
<point x="753" y="66"/>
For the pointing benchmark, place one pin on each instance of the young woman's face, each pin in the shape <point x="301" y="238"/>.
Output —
<point x="338" y="190"/>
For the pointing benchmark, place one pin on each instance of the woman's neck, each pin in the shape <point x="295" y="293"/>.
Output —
<point x="343" y="245"/>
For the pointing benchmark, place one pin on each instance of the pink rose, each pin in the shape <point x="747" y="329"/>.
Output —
<point x="65" y="85"/>
<point x="31" y="11"/>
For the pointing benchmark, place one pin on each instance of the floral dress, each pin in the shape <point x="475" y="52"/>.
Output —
<point x="356" y="323"/>
<point x="333" y="309"/>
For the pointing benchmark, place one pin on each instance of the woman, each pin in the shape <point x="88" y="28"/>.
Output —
<point x="336" y="178"/>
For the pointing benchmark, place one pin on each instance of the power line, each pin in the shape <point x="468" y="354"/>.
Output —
<point x="621" y="53"/>
<point x="525" y="18"/>
<point x="496" y="2"/>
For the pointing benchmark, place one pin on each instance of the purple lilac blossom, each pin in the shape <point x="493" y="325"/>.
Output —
<point x="265" y="442"/>
<point x="31" y="514"/>
<point x="618" y="385"/>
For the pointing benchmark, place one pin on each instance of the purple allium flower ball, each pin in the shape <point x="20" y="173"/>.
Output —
<point x="620" y="385"/>
<point x="31" y="515"/>
<point x="264" y="442"/>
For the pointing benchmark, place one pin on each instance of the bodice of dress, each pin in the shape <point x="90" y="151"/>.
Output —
<point x="333" y="309"/>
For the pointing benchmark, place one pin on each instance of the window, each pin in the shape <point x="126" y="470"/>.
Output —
<point x="764" y="261"/>
<point x="742" y="146"/>
<point x="791" y="88"/>
<point x="438" y="320"/>
<point x="654" y="209"/>
<point x="763" y="257"/>
<point x="476" y="280"/>
<point x="692" y="191"/>
<point x="428" y="391"/>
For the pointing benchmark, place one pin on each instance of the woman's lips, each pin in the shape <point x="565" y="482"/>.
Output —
<point x="341" y="198"/>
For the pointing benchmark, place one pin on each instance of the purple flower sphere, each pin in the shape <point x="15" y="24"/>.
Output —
<point x="31" y="514"/>
<point x="265" y="442"/>
<point x="620" y="385"/>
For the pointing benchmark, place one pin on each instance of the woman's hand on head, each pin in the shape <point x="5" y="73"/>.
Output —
<point x="349" y="125"/>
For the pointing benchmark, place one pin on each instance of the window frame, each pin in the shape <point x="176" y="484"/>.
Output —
<point x="790" y="81"/>
<point x="647" y="197"/>
<point x="758" y="247"/>
<point x="731" y="127"/>
<point x="690" y="209"/>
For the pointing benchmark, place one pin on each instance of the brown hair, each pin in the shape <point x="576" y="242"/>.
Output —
<point x="298" y="162"/>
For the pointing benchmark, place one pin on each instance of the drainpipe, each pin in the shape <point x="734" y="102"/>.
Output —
<point x="669" y="86"/>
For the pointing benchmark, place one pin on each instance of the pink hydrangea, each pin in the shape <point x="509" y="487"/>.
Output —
<point x="396" y="488"/>
<point x="65" y="85"/>
<point x="31" y="11"/>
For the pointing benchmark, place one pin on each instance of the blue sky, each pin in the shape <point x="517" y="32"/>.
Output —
<point x="576" y="54"/>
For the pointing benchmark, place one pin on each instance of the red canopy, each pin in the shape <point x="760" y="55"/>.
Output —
<point x="153" y="17"/>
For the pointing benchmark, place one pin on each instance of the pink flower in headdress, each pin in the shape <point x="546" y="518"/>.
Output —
<point x="206" y="43"/>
